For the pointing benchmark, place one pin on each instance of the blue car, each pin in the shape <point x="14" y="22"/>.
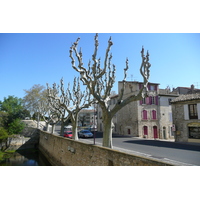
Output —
<point x="85" y="134"/>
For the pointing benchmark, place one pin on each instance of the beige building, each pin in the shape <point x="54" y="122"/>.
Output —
<point x="151" y="117"/>
<point x="88" y="118"/>
<point x="186" y="118"/>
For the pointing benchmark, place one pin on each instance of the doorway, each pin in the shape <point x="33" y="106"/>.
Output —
<point x="145" y="130"/>
<point x="155" y="132"/>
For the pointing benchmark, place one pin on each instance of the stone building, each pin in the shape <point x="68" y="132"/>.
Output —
<point x="151" y="117"/>
<point x="186" y="117"/>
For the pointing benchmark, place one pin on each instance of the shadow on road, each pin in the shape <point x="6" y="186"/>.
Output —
<point x="166" y="144"/>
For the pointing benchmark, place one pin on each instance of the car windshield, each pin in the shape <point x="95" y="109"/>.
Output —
<point x="85" y="131"/>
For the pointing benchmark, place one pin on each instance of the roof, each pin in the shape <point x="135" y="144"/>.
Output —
<point x="138" y="82"/>
<point x="187" y="97"/>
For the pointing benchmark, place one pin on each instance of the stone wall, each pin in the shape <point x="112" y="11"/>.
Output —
<point x="29" y="138"/>
<point x="66" y="152"/>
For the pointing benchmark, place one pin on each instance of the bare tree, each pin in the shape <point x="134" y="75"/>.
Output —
<point x="100" y="81"/>
<point x="73" y="102"/>
<point x="54" y="104"/>
<point x="51" y="114"/>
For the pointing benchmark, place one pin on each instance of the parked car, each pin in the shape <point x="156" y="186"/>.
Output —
<point x="68" y="134"/>
<point x="85" y="134"/>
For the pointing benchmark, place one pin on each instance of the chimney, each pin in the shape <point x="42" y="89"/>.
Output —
<point x="192" y="88"/>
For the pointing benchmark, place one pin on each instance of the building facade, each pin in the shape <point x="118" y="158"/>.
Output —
<point x="186" y="118"/>
<point x="87" y="118"/>
<point x="150" y="117"/>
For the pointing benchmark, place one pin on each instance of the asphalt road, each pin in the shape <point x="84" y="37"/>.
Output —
<point x="175" y="153"/>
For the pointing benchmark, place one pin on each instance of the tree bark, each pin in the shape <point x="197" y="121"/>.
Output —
<point x="107" y="134"/>
<point x="62" y="127"/>
<point x="53" y="128"/>
<point x="47" y="126"/>
<point x="74" y="119"/>
<point x="74" y="132"/>
<point x="107" y="129"/>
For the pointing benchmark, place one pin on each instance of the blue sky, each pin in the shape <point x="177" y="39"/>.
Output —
<point x="28" y="59"/>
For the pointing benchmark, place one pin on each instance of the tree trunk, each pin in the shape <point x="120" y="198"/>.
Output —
<point x="38" y="121"/>
<point x="53" y="128"/>
<point x="107" y="133"/>
<point x="74" y="120"/>
<point x="62" y="128"/>
<point x="74" y="131"/>
<point x="47" y="126"/>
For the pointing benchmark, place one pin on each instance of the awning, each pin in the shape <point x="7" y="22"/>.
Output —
<point x="194" y="124"/>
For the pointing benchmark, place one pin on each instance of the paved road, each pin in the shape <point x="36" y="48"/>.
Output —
<point x="167" y="151"/>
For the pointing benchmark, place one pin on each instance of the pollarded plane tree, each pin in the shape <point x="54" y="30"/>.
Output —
<point x="100" y="81"/>
<point x="72" y="101"/>
<point x="50" y="114"/>
<point x="63" y="115"/>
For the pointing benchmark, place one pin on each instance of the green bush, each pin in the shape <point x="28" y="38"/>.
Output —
<point x="15" y="127"/>
<point x="3" y="133"/>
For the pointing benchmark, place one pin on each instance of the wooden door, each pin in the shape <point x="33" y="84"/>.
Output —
<point x="155" y="132"/>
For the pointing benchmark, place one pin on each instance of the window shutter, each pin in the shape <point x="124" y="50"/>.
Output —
<point x="150" y="100"/>
<point x="154" y="114"/>
<point x="147" y="100"/>
<point x="186" y="112"/>
<point x="198" y="110"/>
<point x="156" y="100"/>
<point x="144" y="113"/>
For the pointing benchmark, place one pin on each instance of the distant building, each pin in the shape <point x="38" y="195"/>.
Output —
<point x="88" y="118"/>
<point x="186" y="90"/>
<point x="186" y="117"/>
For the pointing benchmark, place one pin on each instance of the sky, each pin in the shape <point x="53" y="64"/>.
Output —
<point x="39" y="58"/>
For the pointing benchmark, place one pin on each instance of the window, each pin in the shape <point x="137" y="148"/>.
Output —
<point x="145" y="129"/>
<point x="144" y="114"/>
<point x="169" y="100"/>
<point x="194" y="132"/>
<point x="152" y="100"/>
<point x="193" y="111"/>
<point x="154" y="114"/>
<point x="143" y="100"/>
<point x="152" y="87"/>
